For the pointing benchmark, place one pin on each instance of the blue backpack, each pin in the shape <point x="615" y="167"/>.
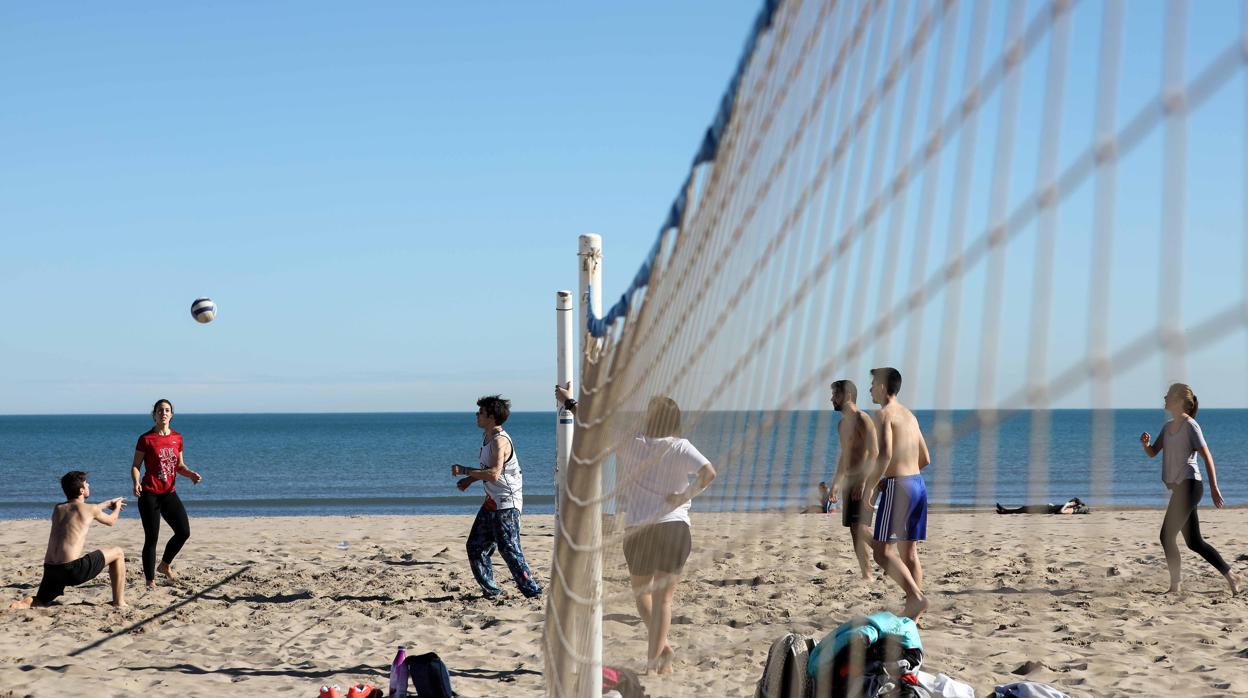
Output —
<point x="430" y="677"/>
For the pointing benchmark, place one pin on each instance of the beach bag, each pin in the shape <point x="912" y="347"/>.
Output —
<point x="784" y="675"/>
<point x="868" y="657"/>
<point x="622" y="681"/>
<point x="429" y="675"/>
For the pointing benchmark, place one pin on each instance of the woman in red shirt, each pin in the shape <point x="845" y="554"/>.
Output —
<point x="160" y="451"/>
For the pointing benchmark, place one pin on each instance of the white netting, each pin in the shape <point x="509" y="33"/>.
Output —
<point x="1002" y="200"/>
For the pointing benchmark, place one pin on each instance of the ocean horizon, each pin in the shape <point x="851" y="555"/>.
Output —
<point x="386" y="463"/>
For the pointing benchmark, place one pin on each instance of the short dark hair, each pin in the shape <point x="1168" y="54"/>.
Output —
<point x="890" y="377"/>
<point x="662" y="418"/>
<point x="495" y="406"/>
<point x="73" y="482"/>
<point x="847" y="388"/>
<point x="157" y="405"/>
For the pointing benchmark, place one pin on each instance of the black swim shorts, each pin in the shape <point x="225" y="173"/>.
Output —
<point x="69" y="574"/>
<point x="855" y="512"/>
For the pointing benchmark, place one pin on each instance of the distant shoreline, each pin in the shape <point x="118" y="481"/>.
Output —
<point x="287" y="511"/>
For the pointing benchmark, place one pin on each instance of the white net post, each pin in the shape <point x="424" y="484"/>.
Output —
<point x="589" y="254"/>
<point x="573" y="632"/>
<point x="563" y="376"/>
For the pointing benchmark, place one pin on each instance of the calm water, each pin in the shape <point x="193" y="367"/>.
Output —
<point x="397" y="463"/>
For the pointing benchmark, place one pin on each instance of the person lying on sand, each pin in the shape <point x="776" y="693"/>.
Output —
<point x="64" y="565"/>
<point x="1072" y="506"/>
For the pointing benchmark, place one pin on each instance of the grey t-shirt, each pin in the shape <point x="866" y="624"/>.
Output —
<point x="1178" y="461"/>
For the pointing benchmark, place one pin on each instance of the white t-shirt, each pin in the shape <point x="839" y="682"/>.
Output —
<point x="1178" y="460"/>
<point x="650" y="470"/>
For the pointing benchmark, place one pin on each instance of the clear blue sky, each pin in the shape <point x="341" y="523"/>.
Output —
<point x="382" y="197"/>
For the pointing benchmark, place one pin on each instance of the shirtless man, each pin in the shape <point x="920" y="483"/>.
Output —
<point x="901" y="516"/>
<point x="859" y="450"/>
<point x="64" y="565"/>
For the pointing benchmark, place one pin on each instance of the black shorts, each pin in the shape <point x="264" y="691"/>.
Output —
<point x="69" y="574"/>
<point x="661" y="547"/>
<point x="855" y="513"/>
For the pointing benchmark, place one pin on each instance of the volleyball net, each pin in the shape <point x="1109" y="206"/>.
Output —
<point x="1021" y="206"/>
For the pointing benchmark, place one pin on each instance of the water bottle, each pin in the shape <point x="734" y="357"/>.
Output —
<point x="398" y="674"/>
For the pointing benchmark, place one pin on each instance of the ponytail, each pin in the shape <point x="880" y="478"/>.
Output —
<point x="1183" y="391"/>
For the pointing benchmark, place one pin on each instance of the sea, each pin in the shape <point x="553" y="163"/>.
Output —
<point x="399" y="463"/>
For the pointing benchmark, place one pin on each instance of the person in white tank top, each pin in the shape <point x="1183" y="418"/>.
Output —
<point x="497" y="525"/>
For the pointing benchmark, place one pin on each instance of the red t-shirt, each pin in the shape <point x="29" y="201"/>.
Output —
<point x="160" y="458"/>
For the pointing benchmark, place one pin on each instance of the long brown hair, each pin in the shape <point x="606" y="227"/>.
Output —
<point x="1191" y="405"/>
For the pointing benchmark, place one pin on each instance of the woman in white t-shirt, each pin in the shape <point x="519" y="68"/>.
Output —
<point x="654" y="472"/>
<point x="1181" y="439"/>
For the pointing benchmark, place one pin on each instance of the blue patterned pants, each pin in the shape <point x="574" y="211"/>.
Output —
<point x="499" y="530"/>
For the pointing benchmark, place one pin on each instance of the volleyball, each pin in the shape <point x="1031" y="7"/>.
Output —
<point x="203" y="310"/>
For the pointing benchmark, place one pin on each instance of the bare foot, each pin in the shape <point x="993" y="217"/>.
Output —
<point x="119" y="604"/>
<point x="1175" y="589"/>
<point x="915" y="607"/>
<point x="151" y="584"/>
<point x="1235" y="581"/>
<point x="663" y="662"/>
<point x="166" y="570"/>
<point x="24" y="603"/>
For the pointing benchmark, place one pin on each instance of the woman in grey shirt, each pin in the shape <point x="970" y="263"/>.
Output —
<point x="1181" y="439"/>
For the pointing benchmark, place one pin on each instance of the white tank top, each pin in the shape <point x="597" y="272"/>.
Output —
<point x="508" y="491"/>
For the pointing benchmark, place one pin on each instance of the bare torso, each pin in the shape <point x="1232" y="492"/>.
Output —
<point x="908" y="453"/>
<point x="852" y="431"/>
<point x="70" y="521"/>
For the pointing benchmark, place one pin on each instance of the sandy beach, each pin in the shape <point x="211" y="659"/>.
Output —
<point x="274" y="605"/>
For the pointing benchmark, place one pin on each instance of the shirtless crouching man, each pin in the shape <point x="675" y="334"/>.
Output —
<point x="859" y="450"/>
<point x="64" y="565"/>
<point x="901" y="514"/>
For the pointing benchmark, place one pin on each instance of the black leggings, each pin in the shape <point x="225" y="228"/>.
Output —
<point x="1181" y="516"/>
<point x="152" y="508"/>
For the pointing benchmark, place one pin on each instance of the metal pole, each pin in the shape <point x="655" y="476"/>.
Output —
<point x="563" y="376"/>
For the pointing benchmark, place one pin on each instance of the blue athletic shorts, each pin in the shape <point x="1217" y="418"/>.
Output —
<point x="902" y="511"/>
